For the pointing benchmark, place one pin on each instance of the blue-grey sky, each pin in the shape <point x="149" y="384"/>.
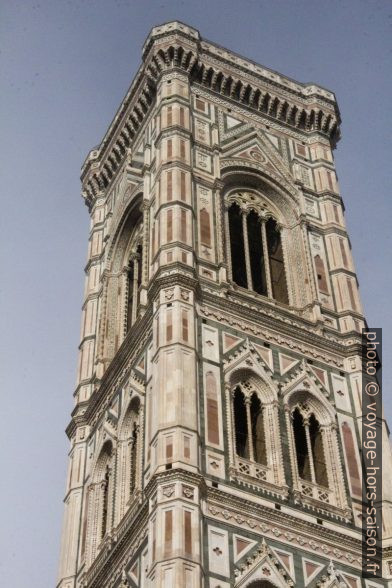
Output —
<point x="65" y="66"/>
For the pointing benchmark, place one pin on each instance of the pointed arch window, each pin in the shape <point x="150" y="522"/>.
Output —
<point x="256" y="252"/>
<point x="314" y="450"/>
<point x="249" y="427"/>
<point x="129" y="456"/>
<point x="99" y="502"/>
<point x="254" y="453"/>
<point x="309" y="448"/>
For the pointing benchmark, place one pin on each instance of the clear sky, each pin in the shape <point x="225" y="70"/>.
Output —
<point x="65" y="66"/>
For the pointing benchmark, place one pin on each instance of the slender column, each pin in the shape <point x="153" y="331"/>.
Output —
<point x="132" y="466"/>
<point x="266" y="258"/>
<point x="293" y="460"/>
<point x="135" y="287"/>
<point x="309" y="446"/>
<point x="228" y="251"/>
<point x="125" y="295"/>
<point x="122" y="475"/>
<point x="249" y="426"/>
<point x="145" y="249"/>
<point x="246" y="247"/>
<point x="220" y="236"/>
<point x="273" y="455"/>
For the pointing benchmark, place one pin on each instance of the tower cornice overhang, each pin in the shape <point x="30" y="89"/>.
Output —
<point x="178" y="47"/>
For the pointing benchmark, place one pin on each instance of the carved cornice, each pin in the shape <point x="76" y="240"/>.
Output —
<point x="177" y="48"/>
<point x="275" y="524"/>
<point x="285" y="327"/>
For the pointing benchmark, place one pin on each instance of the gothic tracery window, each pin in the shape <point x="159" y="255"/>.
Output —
<point x="309" y="449"/>
<point x="254" y="411"/>
<point x="256" y="252"/>
<point x="129" y="456"/>
<point x="99" y="502"/>
<point x="249" y="427"/>
<point x="314" y="448"/>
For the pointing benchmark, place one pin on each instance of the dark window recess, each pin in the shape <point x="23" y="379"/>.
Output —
<point x="258" y="434"/>
<point x="134" y="283"/>
<point x="105" y="503"/>
<point x="241" y="432"/>
<point x="301" y="448"/>
<point x="256" y="254"/>
<point x="237" y="246"/>
<point x="275" y="251"/>
<point x="134" y="440"/>
<point x="316" y="440"/>
<point x="130" y="294"/>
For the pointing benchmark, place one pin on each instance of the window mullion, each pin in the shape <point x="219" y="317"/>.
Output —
<point x="266" y="258"/>
<point x="310" y="452"/>
<point x="135" y="288"/>
<point x="249" y="427"/>
<point x="246" y="247"/>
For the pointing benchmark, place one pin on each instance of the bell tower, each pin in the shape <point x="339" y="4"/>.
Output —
<point x="215" y="438"/>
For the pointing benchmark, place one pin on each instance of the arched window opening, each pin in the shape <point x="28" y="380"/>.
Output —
<point x="129" y="457"/>
<point x="255" y="450"/>
<point x="316" y="440"/>
<point x="99" y="503"/>
<point x="309" y="449"/>
<point x="256" y="250"/>
<point x="258" y="434"/>
<point x="256" y="254"/>
<point x="301" y="447"/>
<point x="134" y="283"/>
<point x="240" y="424"/>
<point x="276" y="263"/>
<point x="238" y="264"/>
<point x="249" y="427"/>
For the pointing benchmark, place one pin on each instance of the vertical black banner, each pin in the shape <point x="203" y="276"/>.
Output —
<point x="372" y="453"/>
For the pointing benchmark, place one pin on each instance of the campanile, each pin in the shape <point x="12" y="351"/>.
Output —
<point x="214" y="440"/>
